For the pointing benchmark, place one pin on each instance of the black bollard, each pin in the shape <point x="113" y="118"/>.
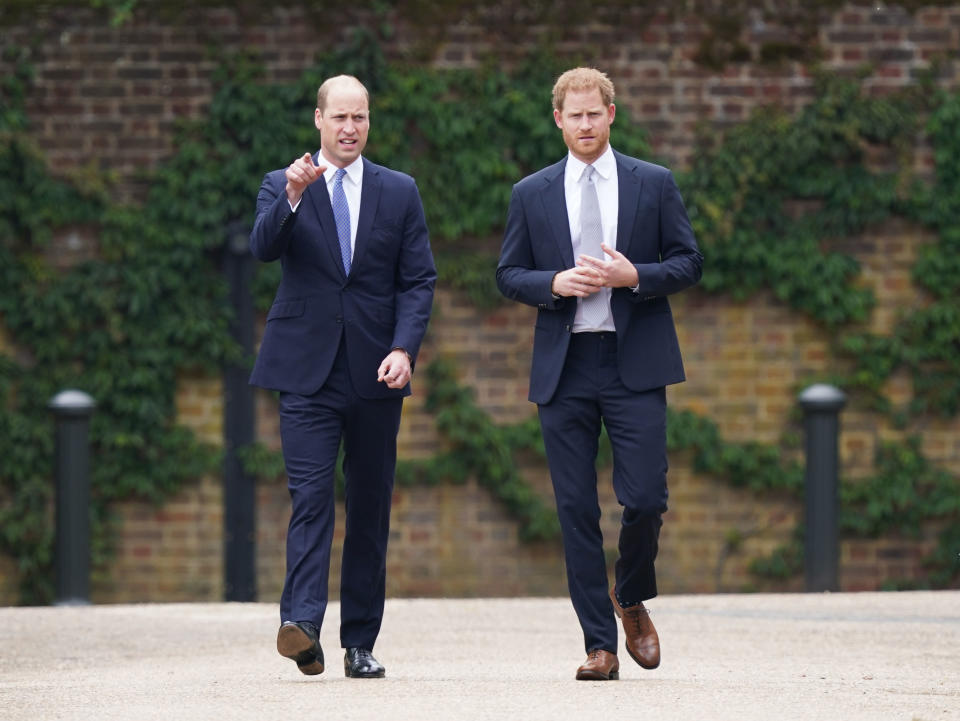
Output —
<point x="821" y="405"/>
<point x="239" y="487"/>
<point x="72" y="410"/>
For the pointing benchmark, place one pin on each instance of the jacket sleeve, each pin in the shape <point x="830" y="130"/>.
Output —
<point x="518" y="278"/>
<point x="416" y="277"/>
<point x="681" y="263"/>
<point x="274" y="221"/>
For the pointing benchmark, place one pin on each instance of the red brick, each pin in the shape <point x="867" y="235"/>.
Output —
<point x="743" y="359"/>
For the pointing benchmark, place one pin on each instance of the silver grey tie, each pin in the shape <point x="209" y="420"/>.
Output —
<point x="594" y="307"/>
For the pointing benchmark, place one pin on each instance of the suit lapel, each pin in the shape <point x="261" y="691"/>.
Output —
<point x="369" y="201"/>
<point x="629" y="184"/>
<point x="320" y="199"/>
<point x="555" y="206"/>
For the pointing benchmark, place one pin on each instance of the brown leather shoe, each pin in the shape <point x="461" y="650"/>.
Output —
<point x="600" y="666"/>
<point x="643" y="643"/>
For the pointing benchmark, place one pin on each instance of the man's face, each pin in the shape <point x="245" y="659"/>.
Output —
<point x="585" y="122"/>
<point x="343" y="124"/>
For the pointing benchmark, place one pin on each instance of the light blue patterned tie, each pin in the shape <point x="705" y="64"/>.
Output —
<point x="341" y="214"/>
<point x="594" y="307"/>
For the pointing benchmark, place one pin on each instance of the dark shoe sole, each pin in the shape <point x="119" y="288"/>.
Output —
<point x="597" y="676"/>
<point x="349" y="674"/>
<point x="294" y="644"/>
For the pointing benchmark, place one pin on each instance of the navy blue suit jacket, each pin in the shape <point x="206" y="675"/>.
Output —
<point x="653" y="232"/>
<point x="384" y="303"/>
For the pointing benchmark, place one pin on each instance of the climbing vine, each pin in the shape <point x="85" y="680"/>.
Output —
<point x="771" y="202"/>
<point x="926" y="341"/>
<point x="120" y="326"/>
<point x="904" y="493"/>
<point x="150" y="303"/>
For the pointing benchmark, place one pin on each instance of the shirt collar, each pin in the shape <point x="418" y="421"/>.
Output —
<point x="605" y="165"/>
<point x="354" y="170"/>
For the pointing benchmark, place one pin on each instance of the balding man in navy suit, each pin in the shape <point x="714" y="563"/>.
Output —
<point x="339" y="345"/>
<point x="596" y="243"/>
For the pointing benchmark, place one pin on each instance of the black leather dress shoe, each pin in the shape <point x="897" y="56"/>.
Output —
<point x="300" y="640"/>
<point x="360" y="663"/>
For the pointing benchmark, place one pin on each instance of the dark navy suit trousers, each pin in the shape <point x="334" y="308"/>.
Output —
<point x="590" y="392"/>
<point x="311" y="429"/>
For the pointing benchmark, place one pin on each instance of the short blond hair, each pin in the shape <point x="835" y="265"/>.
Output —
<point x="328" y="84"/>
<point x="582" y="79"/>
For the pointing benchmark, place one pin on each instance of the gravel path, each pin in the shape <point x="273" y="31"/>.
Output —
<point x="876" y="656"/>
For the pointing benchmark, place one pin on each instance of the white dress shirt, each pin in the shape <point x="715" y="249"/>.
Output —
<point x="605" y="179"/>
<point x="352" y="185"/>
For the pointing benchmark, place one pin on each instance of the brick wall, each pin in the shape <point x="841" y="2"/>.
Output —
<point x="110" y="97"/>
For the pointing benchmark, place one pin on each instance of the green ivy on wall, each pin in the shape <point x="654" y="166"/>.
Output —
<point x="905" y="493"/>
<point x="772" y="197"/>
<point x="152" y="303"/>
<point x="926" y="341"/>
<point x="767" y="202"/>
<point x="772" y="202"/>
<point x="120" y="327"/>
<point x="478" y="448"/>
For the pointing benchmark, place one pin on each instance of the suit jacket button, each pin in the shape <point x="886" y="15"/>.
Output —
<point x="339" y="319"/>
<point x="542" y="305"/>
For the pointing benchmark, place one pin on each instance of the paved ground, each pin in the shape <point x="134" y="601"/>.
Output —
<point x="781" y="657"/>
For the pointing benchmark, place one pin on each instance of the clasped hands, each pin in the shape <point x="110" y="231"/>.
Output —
<point x="591" y="274"/>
